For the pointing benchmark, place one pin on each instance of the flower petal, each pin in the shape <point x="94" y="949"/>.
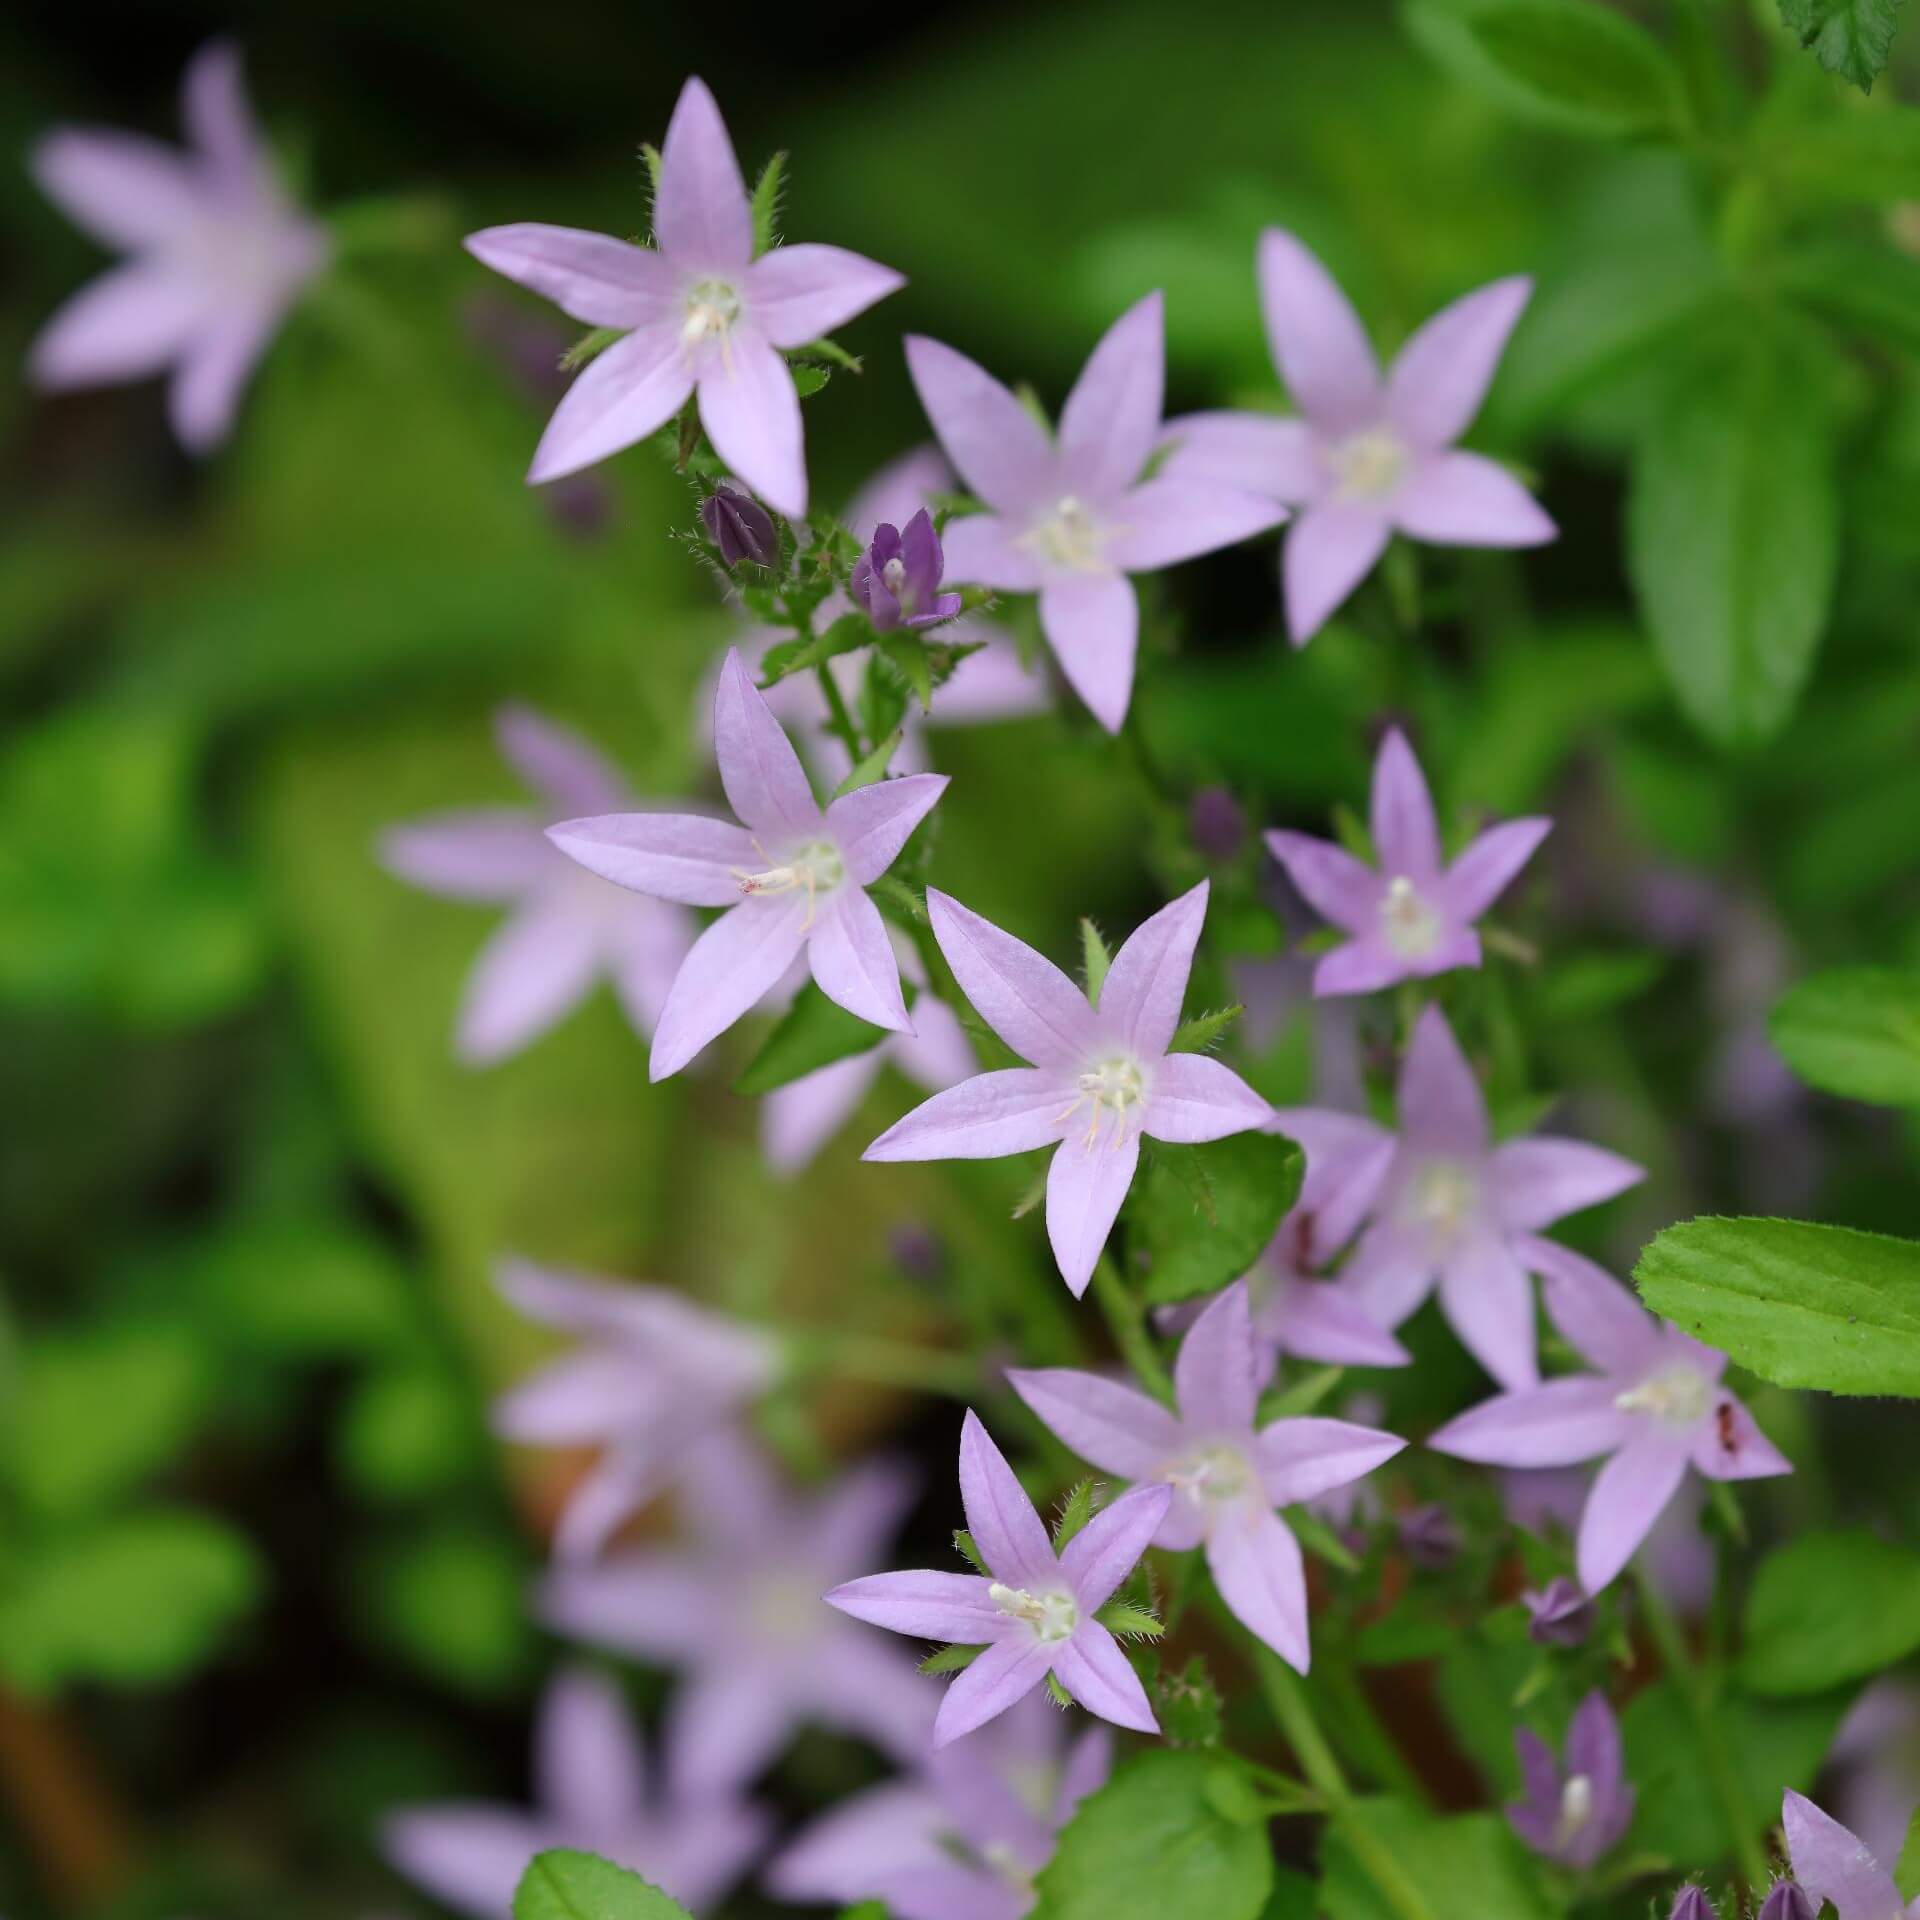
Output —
<point x="1252" y="452"/>
<point x="1466" y="500"/>
<point x="215" y="112"/>
<point x="1390" y="1272"/>
<point x="733" y="965"/>
<point x="129" y="322"/>
<point x="1332" y="882"/>
<point x="986" y="549"/>
<point x="1108" y="1548"/>
<point x="751" y="412"/>
<point x="1009" y="1670"/>
<point x="1255" y="1562"/>
<point x="1318" y="343"/>
<point x="1109" y="1425"/>
<point x="1405" y="833"/>
<point x="859" y="1844"/>
<point x="659" y="1607"/>
<point x="871" y="824"/>
<point x="1440" y="1102"/>
<point x="1599" y="1317"/>
<point x="1171" y="518"/>
<point x="644" y="945"/>
<point x="581" y="1398"/>
<point x="1101" y="1678"/>
<point x="726" y="1723"/>
<point x="1328" y="551"/>
<point x="1320" y="1320"/>
<point x="1832" y="1864"/>
<point x="1085" y="1186"/>
<point x="1442" y="374"/>
<point x="1092" y="623"/>
<point x="629" y="391"/>
<point x="1011" y="1537"/>
<point x="1214" y="1375"/>
<point x="468" y="1855"/>
<point x="797" y="1120"/>
<point x="671" y="856"/>
<point x="124" y="189"/>
<point x="1195" y="1099"/>
<point x="1368" y="964"/>
<point x="1019" y="993"/>
<point x="1302" y="1459"/>
<point x="701" y="219"/>
<point x="591" y="277"/>
<point x="536" y="968"/>
<point x="1629" y="1494"/>
<point x="587" y="1764"/>
<point x="1488" y="1301"/>
<point x="1000" y="450"/>
<point x="1555" y="1425"/>
<point x="1487" y="867"/>
<point x="1347" y="1158"/>
<point x="1011" y="1111"/>
<point x="1538" y="1181"/>
<point x="1730" y="1446"/>
<point x="853" y="962"/>
<point x="796" y="295"/>
<point x="1108" y="424"/>
<point x="929" y="1606"/>
<point x="1140" y="999"/>
<point x="765" y="783"/>
<point x="212" y="375"/>
<point x="497" y="854"/>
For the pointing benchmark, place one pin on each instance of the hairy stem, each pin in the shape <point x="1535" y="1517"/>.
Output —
<point x="840" y="721"/>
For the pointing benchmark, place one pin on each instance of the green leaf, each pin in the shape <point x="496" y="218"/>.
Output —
<point x="1466" y="1866"/>
<point x="563" y="1885"/>
<point x="1828" y="1608"/>
<point x="1850" y="38"/>
<point x="1152" y="1843"/>
<point x="1204" y="1215"/>
<point x="1865" y="156"/>
<point x="1906" y="1875"/>
<point x="1856" y="1032"/>
<point x="1861" y="286"/>
<point x="1580" y="63"/>
<point x="1732" y="532"/>
<point x="951" y="1659"/>
<point x="848" y="634"/>
<point x="1801" y="1305"/>
<point x="1094" y="958"/>
<point x="1074" y="1513"/>
<point x="872" y="768"/>
<point x="813" y="1033"/>
<point x="766" y="204"/>
<point x="906" y="653"/>
<point x="1199" y="1033"/>
<point x="589" y="347"/>
<point x="1187" y="1704"/>
<point x="1130" y="1622"/>
<point x="451" y="1598"/>
<point x="964" y="1547"/>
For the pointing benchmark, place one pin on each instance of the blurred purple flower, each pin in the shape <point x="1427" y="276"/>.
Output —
<point x="1034" y="1615"/>
<point x="652" y="1377"/>
<point x="1366" y="457"/>
<point x="1675" y="1555"/>
<point x="1413" y="917"/>
<point x="741" y="528"/>
<point x="737" y="1611"/>
<point x="1226" y="1477"/>
<point x="1832" y="1865"/>
<point x="701" y="314"/>
<point x="1574" y="1816"/>
<point x="592" y="1793"/>
<point x="1070" y="516"/>
<point x="1691" y="1903"/>
<point x="963" y="1838"/>
<point x="1216" y="824"/>
<point x="1559" y="1614"/>
<point x="567" y="929"/>
<point x="897" y="579"/>
<point x="795" y="879"/>
<point x="1430" y="1537"/>
<point x="1655" y="1405"/>
<point x="1110" y="1062"/>
<point x="1875" y="1762"/>
<point x="218" y="253"/>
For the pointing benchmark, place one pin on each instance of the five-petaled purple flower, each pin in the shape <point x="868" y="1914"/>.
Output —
<point x="737" y="1610"/>
<point x="1574" y="1816"/>
<point x="897" y="579"/>
<point x="1414" y="916"/>
<point x="963" y="1838"/>
<point x="1367" y="457"/>
<point x="1070" y="515"/>
<point x="1833" y="1864"/>
<point x="217" y="253"/>
<point x="590" y="1780"/>
<point x="794" y="877"/>
<point x="1226" y="1477"/>
<point x="1101" y="1075"/>
<point x="1033" y="1610"/>
<point x="653" y="1375"/>
<point x="700" y="314"/>
<point x="1450" y="1206"/>
<point x="567" y="928"/>
<point x="1654" y="1404"/>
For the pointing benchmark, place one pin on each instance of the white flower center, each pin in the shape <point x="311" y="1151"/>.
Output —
<point x="893" y="576"/>
<point x="816" y="866"/>
<point x="1441" y="1200"/>
<point x="1211" y="1477"/>
<point x="1113" y="1086"/>
<point x="712" y="308"/>
<point x="1407" y="923"/>
<point x="1576" y="1807"/>
<point x="998" y="1857"/>
<point x="1052" y="1616"/>
<point x="1366" y="466"/>
<point x="1678" y="1397"/>
<point x="784" y="1607"/>
<point x="1070" y="537"/>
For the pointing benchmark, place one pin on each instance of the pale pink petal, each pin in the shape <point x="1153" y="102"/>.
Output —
<point x="853" y="962"/>
<point x="1108" y="1548"/>
<point x="1171" y="518"/>
<point x="122" y="188"/>
<point x="751" y="412"/>
<point x="1195" y="1099"/>
<point x="1406" y="835"/>
<point x="1302" y="1459"/>
<point x="859" y="1513"/>
<point x="587" y="1765"/>
<point x="655" y="1606"/>
<point x="576" y="1400"/>
<point x="1020" y="994"/>
<point x="1253" y="452"/>
<point x="597" y="280"/>
<point x="871" y="824"/>
<point x="1110" y="1426"/>
<point x="860" y="1685"/>
<point x="732" y="966"/>
<point x="1331" y="881"/>
<point x="1628" y="1495"/>
<point x="985" y="549"/>
<point x="635" y="387"/>
<point x="1832" y="1864"/>
<point x="1488" y="1301"/>
<point x="215" y="113"/>
<point x="207" y="385"/>
<point x="670" y="856"/>
<point x="797" y="1120"/>
<point x="1441" y="1105"/>
<point x="937" y="1054"/>
<point x="1600" y="1318"/>
<point x="1141" y="997"/>
<point x="1085" y="1186"/>
<point x="929" y="1606"/>
<point x="1214" y="1376"/>
<point x="765" y="782"/>
<point x="1255" y="1562"/>
<point x="726" y="1723"/>
<point x="1001" y="451"/>
<point x="1092" y="623"/>
<point x="1009" y="1670"/>
<point x="1390" y="1272"/>
<point x="1108" y="424"/>
<point x="1555" y="1425"/>
<point x="535" y="969"/>
<point x="1010" y="1111"/>
<point x="1319" y="1320"/>
<point x="1538" y="1181"/>
<point x="1317" y="340"/>
<point x="1100" y="1677"/>
<point x="1011" y="1537"/>
<point x="646" y="943"/>
<point x="1328" y="551"/>
<point x="623" y="1481"/>
<point x="701" y="219"/>
<point x="799" y="294"/>
<point x="1442" y="374"/>
<point x="1484" y="871"/>
<point x="558" y="763"/>
<point x="1368" y="964"/>
<point x="859" y="1844"/>
<point x="898" y="491"/>
<point x="1089" y="1762"/>
<point x="1467" y="500"/>
<point x="493" y="855"/>
<point x="1730" y="1446"/>
<point x="130" y="322"/>
<point x="469" y="1856"/>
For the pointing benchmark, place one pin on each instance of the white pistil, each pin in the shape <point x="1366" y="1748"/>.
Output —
<point x="1679" y="1397"/>
<point x="712" y="308"/>
<point x="1052" y="1616"/>
<point x="1069" y="537"/>
<point x="817" y="867"/>
<point x="1366" y="466"/>
<point x="1576" y="1808"/>
<point x="1212" y="1476"/>
<point x="1115" y="1086"/>
<point x="1409" y="925"/>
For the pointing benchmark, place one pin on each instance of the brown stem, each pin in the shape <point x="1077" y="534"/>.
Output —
<point x="67" y="1814"/>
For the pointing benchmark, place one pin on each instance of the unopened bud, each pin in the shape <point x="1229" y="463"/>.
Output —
<point x="1787" y="1900"/>
<point x="741" y="528"/>
<point x="1561" y="1615"/>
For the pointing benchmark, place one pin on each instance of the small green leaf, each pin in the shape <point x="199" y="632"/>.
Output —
<point x="809" y="377"/>
<point x="563" y="1885"/>
<point x="1199" y="1033"/>
<point x="951" y="1659"/>
<point x="1320" y="1539"/>
<point x="1852" y="39"/>
<point x="1204" y="1215"/>
<point x="1094" y="958"/>
<point x="1906" y="1875"/>
<point x="848" y="634"/>
<point x="766" y="204"/>
<point x="873" y="767"/>
<point x="1130" y="1622"/>
<point x="1465" y="1866"/>
<point x="964" y="1546"/>
<point x="590" y="346"/>
<point x="1855" y="1032"/>
<point x="1074" y="1513"/>
<point x="1828" y="1608"/>
<point x="1187" y="1704"/>
<point x="906" y="653"/>
<point x="1581" y="65"/>
<point x="1057" y="1688"/>
<point x="812" y="1033"/>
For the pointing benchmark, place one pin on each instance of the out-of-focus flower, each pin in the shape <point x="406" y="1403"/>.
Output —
<point x="699" y="314"/>
<point x="1033" y="1612"/>
<point x="741" y="528"/>
<point x="1575" y="1815"/>
<point x="1691" y="1903"/>
<point x="1430" y="1537"/>
<point x="1676" y="1555"/>
<point x="1560" y="1614"/>
<point x="652" y="1377"/>
<point x="1216" y="823"/>
<point x="1070" y="516"/>
<point x="1367" y="457"/>
<point x="963" y="1838"/>
<point x="1414" y="916"/>
<point x="1832" y="1865"/>
<point x="592" y="1792"/>
<point x="737" y="1610"/>
<point x="897" y="579"/>
<point x="567" y="928"/>
<point x="1655" y="1405"/>
<point x="1226" y="1478"/>
<point x="217" y="253"/>
<point x="793" y="876"/>
<point x="1109" y="1063"/>
<point x="1454" y="1208"/>
<point x="1875" y="1763"/>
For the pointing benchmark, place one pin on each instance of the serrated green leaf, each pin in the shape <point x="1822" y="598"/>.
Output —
<point x="1199" y="1033"/>
<point x="1094" y="958"/>
<point x="1058" y="1689"/>
<point x="1855" y="1032"/>
<point x="1828" y="1608"/>
<point x="1075" y="1512"/>
<point x="589" y="347"/>
<point x="1203" y="1215"/>
<point x="951" y="1659"/>
<point x="808" y="377"/>
<point x="564" y="1885"/>
<point x="1852" y="39"/>
<point x="1130" y="1622"/>
<point x="964" y="1546"/>
<point x="766" y="204"/>
<point x="812" y="1033"/>
<point x="848" y="634"/>
<point x="906" y="653"/>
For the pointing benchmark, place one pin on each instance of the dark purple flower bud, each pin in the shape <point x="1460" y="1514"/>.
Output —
<point x="897" y="579"/>
<point x="1787" y="1900"/>
<point x="741" y="528"/>
<point x="1690" y="1903"/>
<point x="1561" y="1614"/>
<point x="1430" y="1537"/>
<point x="918" y="1253"/>
<point x="1216" y="823"/>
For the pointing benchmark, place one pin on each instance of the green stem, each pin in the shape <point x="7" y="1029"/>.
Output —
<point x="882" y="1363"/>
<point x="1368" y="1742"/>
<point x="840" y="721"/>
<point x="1128" y="1320"/>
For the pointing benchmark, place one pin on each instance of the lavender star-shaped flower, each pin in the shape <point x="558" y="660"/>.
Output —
<point x="1573" y="1817"/>
<point x="1832" y="1864"/>
<point x="963" y="1838"/>
<point x="652" y="1377"/>
<point x="1225" y="1477"/>
<point x="217" y="253"/>
<point x="1102" y="1076"/>
<point x="1070" y="516"/>
<point x="737" y="1610"/>
<point x="1367" y="457"/>
<point x="567" y="929"/>
<point x="1413" y="917"/>
<point x="1033" y="1611"/>
<point x="1451" y="1207"/>
<point x="700" y="314"/>
<point x="1654" y="1404"/>
<point x="897" y="579"/>
<point x="590" y="1782"/>
<point x="794" y="878"/>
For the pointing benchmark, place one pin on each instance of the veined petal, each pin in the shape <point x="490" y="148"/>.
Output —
<point x="853" y="962"/>
<point x="1011" y="1111"/>
<point x="593" y="278"/>
<point x="1108" y="424"/>
<point x="1109" y="1546"/>
<point x="1488" y="1301"/>
<point x="798" y="294"/>
<point x="1441" y="1105"/>
<point x="930" y="1606"/>
<point x="1629" y="1494"/>
<point x="1466" y="500"/>
<point x="1302" y="1459"/>
<point x="999" y="448"/>
<point x="1600" y="1318"/>
<point x="129" y="322"/>
<point x="765" y="782"/>
<point x="986" y="549"/>
<point x="1092" y="623"/>
<point x="1010" y="1535"/>
<point x="1832" y="1864"/>
<point x="1145" y="987"/>
<point x="1555" y="1425"/>
<point x="636" y="386"/>
<point x="1195" y="1099"/>
<point x="1215" y="1378"/>
<point x="1111" y="1426"/>
<point x="1405" y="833"/>
<point x="536" y="968"/>
<point x="752" y="415"/>
<point x="701" y="218"/>
<point x="1101" y="1678"/>
<point x="1442" y="374"/>
<point x="1085" y="1186"/>
<point x="1007" y="1672"/>
<point x="587" y="1764"/>
<point x="1252" y="452"/>
<point x="871" y="824"/>
<point x="1019" y="993"/>
<point x="1538" y="1181"/>
<point x="124" y="189"/>
<point x="1332" y="882"/>
<point x="1255" y="1562"/>
<point x="733" y="965"/>
<point x="496" y="854"/>
<point x="1328" y="551"/>
<point x="1171" y="518"/>
<point x="671" y="856"/>
<point x="1318" y="343"/>
<point x="1729" y="1445"/>
<point x="1484" y="871"/>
